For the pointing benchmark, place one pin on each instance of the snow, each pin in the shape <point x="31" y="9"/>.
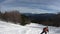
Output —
<point x="33" y="28"/>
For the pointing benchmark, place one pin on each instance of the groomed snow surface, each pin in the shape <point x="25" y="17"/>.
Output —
<point x="10" y="28"/>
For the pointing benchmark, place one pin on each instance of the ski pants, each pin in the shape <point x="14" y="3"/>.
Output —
<point x="44" y="32"/>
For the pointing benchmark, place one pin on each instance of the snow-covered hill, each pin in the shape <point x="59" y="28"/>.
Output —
<point x="9" y="28"/>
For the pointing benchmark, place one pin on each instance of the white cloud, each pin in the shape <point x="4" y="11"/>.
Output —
<point x="39" y="5"/>
<point x="26" y="10"/>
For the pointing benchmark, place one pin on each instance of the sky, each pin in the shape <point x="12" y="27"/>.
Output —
<point x="31" y="6"/>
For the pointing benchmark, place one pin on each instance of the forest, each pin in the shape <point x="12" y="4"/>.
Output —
<point x="26" y="18"/>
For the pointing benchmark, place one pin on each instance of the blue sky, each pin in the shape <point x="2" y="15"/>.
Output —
<point x="31" y="6"/>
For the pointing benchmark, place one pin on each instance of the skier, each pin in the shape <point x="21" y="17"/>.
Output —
<point x="45" y="30"/>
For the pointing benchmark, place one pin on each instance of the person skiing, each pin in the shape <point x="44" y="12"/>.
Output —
<point x="45" y="30"/>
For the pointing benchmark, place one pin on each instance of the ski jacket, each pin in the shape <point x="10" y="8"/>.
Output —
<point x="45" y="29"/>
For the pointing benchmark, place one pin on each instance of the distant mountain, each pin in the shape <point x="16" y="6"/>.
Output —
<point x="39" y="16"/>
<point x="46" y="18"/>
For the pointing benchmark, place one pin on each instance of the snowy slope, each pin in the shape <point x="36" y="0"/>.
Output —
<point x="9" y="28"/>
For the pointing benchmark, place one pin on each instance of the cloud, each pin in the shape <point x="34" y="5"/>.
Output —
<point x="33" y="5"/>
<point x="26" y="10"/>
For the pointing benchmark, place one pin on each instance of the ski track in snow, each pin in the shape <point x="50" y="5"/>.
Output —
<point x="9" y="28"/>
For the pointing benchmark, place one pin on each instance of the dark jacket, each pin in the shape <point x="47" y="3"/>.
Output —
<point x="45" y="29"/>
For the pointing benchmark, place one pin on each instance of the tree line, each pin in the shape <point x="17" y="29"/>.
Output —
<point x="15" y="17"/>
<point x="45" y="19"/>
<point x="18" y="18"/>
